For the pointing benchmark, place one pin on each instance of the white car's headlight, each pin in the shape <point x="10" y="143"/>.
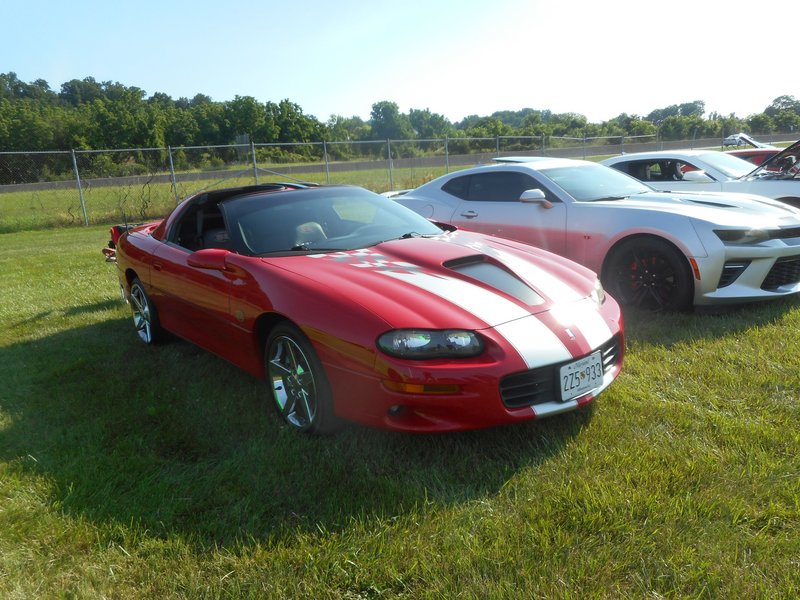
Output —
<point x="418" y="344"/>
<point x="742" y="236"/>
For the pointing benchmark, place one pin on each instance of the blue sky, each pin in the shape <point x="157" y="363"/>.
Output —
<point x="592" y="57"/>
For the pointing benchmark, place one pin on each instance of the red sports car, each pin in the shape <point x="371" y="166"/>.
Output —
<point x="757" y="156"/>
<point x="352" y="306"/>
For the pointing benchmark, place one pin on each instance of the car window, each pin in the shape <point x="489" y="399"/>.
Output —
<point x="336" y="218"/>
<point x="655" y="170"/>
<point x="731" y="166"/>
<point x="201" y="226"/>
<point x="497" y="186"/>
<point x="590" y="182"/>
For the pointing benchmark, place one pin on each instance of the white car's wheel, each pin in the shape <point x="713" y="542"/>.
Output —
<point x="649" y="273"/>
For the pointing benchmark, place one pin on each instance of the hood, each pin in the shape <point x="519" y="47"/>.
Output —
<point x="775" y="167"/>
<point x="723" y="208"/>
<point x="459" y="279"/>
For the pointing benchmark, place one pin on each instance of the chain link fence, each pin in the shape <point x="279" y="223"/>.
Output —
<point x="46" y="189"/>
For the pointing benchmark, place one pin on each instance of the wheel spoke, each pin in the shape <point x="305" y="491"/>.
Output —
<point x="280" y="366"/>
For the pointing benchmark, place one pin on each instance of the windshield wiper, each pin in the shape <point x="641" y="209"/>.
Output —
<point x="309" y="248"/>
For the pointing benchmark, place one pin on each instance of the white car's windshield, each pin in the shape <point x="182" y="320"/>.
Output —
<point x="591" y="182"/>
<point x="731" y="166"/>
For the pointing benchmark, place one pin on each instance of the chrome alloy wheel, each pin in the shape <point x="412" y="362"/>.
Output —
<point x="142" y="313"/>
<point x="292" y="381"/>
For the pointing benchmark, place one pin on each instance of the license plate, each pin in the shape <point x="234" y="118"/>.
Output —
<point x="581" y="376"/>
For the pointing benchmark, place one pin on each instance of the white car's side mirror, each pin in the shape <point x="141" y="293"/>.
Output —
<point x="535" y="196"/>
<point x="697" y="177"/>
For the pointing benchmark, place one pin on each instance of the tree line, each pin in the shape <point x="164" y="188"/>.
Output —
<point x="90" y="115"/>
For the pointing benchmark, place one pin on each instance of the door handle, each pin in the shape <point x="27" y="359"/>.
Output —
<point x="470" y="214"/>
<point x="158" y="266"/>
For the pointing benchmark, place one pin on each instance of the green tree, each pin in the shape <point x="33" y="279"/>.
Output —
<point x="761" y="123"/>
<point x="245" y="115"/>
<point x="428" y="125"/>
<point x="81" y="91"/>
<point x="388" y="123"/>
<point x="781" y="104"/>
<point x="346" y="129"/>
<point x="289" y="124"/>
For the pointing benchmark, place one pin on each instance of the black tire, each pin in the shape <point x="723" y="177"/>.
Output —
<point x="649" y="273"/>
<point x="296" y="381"/>
<point x="145" y="316"/>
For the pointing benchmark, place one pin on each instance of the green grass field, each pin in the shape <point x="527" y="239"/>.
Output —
<point x="136" y="472"/>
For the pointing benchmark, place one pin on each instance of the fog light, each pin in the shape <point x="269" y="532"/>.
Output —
<point x="396" y="410"/>
<point x="421" y="388"/>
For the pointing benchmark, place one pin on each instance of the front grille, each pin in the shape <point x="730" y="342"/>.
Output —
<point x="540" y="385"/>
<point x="785" y="271"/>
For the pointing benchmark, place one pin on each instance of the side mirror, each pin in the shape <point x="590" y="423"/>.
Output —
<point x="697" y="177"/>
<point x="213" y="259"/>
<point x="535" y="196"/>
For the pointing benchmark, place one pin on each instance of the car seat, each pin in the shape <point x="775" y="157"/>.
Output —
<point x="308" y="233"/>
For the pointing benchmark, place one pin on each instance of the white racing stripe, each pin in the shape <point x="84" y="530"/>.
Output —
<point x="586" y="318"/>
<point x="536" y="344"/>
<point x="484" y="304"/>
<point x="540" y="279"/>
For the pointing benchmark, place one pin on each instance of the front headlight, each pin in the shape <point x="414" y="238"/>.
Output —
<point x="742" y="236"/>
<point x="598" y="293"/>
<point x="417" y="344"/>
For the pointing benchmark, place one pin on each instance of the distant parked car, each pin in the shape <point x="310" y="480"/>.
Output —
<point x="652" y="249"/>
<point x="742" y="139"/>
<point x="715" y="171"/>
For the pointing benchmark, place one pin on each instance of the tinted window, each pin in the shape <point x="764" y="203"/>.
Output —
<point x="458" y="187"/>
<point x="497" y="186"/>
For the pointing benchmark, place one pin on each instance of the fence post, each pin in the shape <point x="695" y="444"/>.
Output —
<point x="391" y="165"/>
<point x="80" y="188"/>
<point x="172" y="175"/>
<point x="446" y="155"/>
<point x="327" y="162"/>
<point x="255" y="163"/>
<point x="497" y="145"/>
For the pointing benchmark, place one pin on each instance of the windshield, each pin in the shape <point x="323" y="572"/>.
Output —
<point x="731" y="166"/>
<point x="320" y="219"/>
<point x="587" y="182"/>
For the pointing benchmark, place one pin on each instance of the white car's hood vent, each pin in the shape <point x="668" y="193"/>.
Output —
<point x="712" y="203"/>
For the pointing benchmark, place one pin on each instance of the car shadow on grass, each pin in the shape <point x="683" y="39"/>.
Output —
<point x="174" y="441"/>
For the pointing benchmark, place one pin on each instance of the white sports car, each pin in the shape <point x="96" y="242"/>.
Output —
<point x="652" y="249"/>
<point x="711" y="170"/>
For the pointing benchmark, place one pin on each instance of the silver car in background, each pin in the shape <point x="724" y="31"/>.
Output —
<point x="652" y="249"/>
<point x="710" y="170"/>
